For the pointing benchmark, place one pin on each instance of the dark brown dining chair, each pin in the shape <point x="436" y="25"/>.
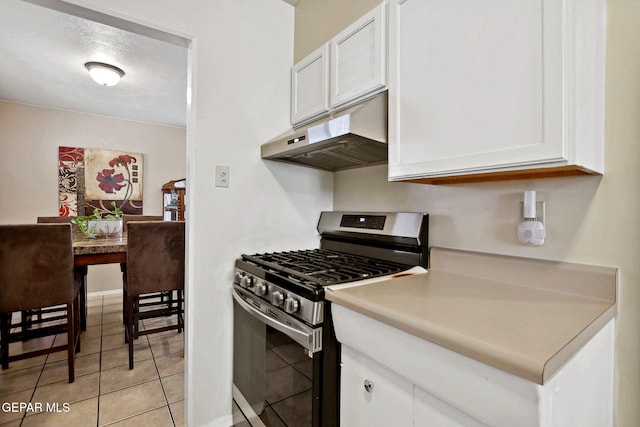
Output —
<point x="126" y="218"/>
<point x="155" y="264"/>
<point x="36" y="271"/>
<point x="27" y="316"/>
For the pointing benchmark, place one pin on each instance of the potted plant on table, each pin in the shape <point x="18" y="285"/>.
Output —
<point x="98" y="224"/>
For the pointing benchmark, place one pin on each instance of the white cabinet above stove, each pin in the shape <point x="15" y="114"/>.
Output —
<point x="351" y="67"/>
<point x="495" y="89"/>
<point x="359" y="58"/>
<point x="310" y="86"/>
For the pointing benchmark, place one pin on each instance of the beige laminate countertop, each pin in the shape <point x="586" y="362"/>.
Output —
<point x="526" y="317"/>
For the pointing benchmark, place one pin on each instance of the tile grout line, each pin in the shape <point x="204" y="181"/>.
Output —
<point x="164" y="392"/>
<point x="144" y="382"/>
<point x="101" y="312"/>
<point x="100" y="363"/>
<point x="44" y="364"/>
<point x="35" y="387"/>
<point x="132" y="416"/>
<point x="153" y="356"/>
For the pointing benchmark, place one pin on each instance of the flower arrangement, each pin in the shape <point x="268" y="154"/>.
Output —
<point x="99" y="224"/>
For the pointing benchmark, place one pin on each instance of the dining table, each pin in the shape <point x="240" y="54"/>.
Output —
<point x="94" y="251"/>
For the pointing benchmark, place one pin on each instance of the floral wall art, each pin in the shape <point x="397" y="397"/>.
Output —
<point x="91" y="178"/>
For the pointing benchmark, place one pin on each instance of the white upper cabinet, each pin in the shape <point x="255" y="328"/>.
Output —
<point x="348" y="68"/>
<point x="495" y="87"/>
<point x="359" y="58"/>
<point x="309" y="86"/>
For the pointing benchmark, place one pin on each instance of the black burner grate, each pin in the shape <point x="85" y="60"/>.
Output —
<point x="324" y="267"/>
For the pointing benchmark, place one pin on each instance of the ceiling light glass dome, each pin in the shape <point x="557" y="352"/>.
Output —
<point x="104" y="74"/>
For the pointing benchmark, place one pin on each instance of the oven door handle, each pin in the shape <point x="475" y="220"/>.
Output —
<point x="307" y="340"/>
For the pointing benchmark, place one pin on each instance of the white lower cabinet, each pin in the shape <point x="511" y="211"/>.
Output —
<point x="373" y="395"/>
<point x="429" y="411"/>
<point x="387" y="399"/>
<point x="418" y="383"/>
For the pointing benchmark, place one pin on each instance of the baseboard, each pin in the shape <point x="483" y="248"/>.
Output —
<point x="246" y="408"/>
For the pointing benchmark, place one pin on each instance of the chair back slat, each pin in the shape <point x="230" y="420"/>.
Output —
<point x="54" y="219"/>
<point x="155" y="256"/>
<point x="36" y="266"/>
<point x="127" y="218"/>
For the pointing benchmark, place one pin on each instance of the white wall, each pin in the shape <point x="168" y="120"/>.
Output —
<point x="316" y="21"/>
<point x="241" y="57"/>
<point x="29" y="140"/>
<point x="483" y="216"/>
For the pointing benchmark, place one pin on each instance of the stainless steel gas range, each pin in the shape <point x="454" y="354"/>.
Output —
<point x="283" y="293"/>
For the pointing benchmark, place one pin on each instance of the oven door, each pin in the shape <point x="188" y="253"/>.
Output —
<point x="308" y="337"/>
<point x="272" y="371"/>
<point x="249" y="340"/>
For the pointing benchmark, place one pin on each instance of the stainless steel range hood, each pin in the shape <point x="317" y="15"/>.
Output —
<point x="352" y="138"/>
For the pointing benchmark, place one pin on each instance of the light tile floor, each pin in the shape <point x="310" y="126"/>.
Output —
<point x="105" y="392"/>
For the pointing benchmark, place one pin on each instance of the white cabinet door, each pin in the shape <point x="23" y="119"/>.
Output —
<point x="387" y="403"/>
<point x="474" y="85"/>
<point x="359" y="58"/>
<point x="309" y="86"/>
<point x="430" y="411"/>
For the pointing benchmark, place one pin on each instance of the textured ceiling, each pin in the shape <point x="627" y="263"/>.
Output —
<point x="42" y="57"/>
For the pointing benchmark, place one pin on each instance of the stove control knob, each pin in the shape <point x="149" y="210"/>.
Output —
<point x="237" y="277"/>
<point x="277" y="298"/>
<point x="260" y="289"/>
<point x="246" y="282"/>
<point x="291" y="305"/>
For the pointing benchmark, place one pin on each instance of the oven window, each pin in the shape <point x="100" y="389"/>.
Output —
<point x="288" y="384"/>
<point x="289" y="375"/>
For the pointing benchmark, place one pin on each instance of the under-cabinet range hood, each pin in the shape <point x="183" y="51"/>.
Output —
<point x="351" y="138"/>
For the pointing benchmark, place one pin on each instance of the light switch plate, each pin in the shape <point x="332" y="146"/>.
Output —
<point x="222" y="176"/>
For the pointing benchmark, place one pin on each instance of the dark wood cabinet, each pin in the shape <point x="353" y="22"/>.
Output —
<point x="173" y="200"/>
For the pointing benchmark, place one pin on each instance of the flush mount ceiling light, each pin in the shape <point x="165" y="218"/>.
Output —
<point x="104" y="74"/>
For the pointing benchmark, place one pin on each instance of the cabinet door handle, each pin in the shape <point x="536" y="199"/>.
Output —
<point x="368" y="386"/>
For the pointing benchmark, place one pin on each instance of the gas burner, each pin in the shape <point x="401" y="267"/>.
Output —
<point x="325" y="267"/>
